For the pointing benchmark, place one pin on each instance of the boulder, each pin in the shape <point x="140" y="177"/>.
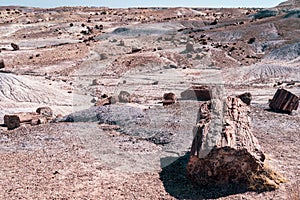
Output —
<point x="45" y="111"/>
<point x="284" y="101"/>
<point x="225" y="151"/>
<point x="124" y="97"/>
<point x="15" y="46"/>
<point x="169" y="98"/>
<point x="189" y="47"/>
<point x="197" y="92"/>
<point x="245" y="97"/>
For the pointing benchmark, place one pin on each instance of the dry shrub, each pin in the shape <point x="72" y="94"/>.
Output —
<point x="265" y="179"/>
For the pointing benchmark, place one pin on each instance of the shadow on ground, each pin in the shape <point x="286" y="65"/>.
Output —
<point x="177" y="184"/>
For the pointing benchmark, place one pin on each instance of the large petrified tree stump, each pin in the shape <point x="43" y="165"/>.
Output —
<point x="225" y="151"/>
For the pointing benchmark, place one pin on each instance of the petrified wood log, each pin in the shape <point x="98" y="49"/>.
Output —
<point x="284" y="101"/>
<point x="13" y="121"/>
<point x="225" y="151"/>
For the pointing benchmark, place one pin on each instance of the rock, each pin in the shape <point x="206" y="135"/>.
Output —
<point x="284" y="101"/>
<point x="124" y="97"/>
<point x="38" y="120"/>
<point x="135" y="50"/>
<point x="214" y="22"/>
<point x="189" y="47"/>
<point x="103" y="56"/>
<point x="2" y="65"/>
<point x="122" y="43"/>
<point x="15" y="46"/>
<point x="102" y="102"/>
<point x="251" y="40"/>
<point x="45" y="111"/>
<point x="246" y="98"/>
<point x="95" y="82"/>
<point x="94" y="99"/>
<point x="225" y="151"/>
<point x="169" y="98"/>
<point x="197" y="92"/>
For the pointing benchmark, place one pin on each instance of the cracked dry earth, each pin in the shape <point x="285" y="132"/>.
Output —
<point x="68" y="61"/>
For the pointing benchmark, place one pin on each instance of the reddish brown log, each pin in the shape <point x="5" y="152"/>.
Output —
<point x="284" y="101"/>
<point x="13" y="121"/>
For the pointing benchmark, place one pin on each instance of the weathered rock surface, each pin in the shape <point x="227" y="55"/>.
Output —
<point x="284" y="101"/>
<point x="232" y="155"/>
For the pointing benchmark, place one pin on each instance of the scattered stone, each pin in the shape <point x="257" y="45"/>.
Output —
<point x="45" y="111"/>
<point x="225" y="151"/>
<point x="2" y="65"/>
<point x="103" y="102"/>
<point x="284" y="101"/>
<point x="214" y="22"/>
<point x="94" y="99"/>
<point x="246" y="98"/>
<point x="169" y="98"/>
<point x="172" y="66"/>
<point x="155" y="83"/>
<point x="99" y="27"/>
<point x="189" y="47"/>
<point x="95" y="82"/>
<point x="124" y="97"/>
<point x="103" y="56"/>
<point x="197" y="92"/>
<point x="135" y="50"/>
<point x="251" y="40"/>
<point x="122" y="43"/>
<point x="15" y="46"/>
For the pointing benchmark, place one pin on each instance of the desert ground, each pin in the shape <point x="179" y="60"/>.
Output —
<point x="72" y="58"/>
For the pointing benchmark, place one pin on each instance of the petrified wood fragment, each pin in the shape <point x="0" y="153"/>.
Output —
<point x="13" y="121"/>
<point x="284" y="101"/>
<point x="224" y="149"/>
<point x="2" y="65"/>
<point x="169" y="98"/>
